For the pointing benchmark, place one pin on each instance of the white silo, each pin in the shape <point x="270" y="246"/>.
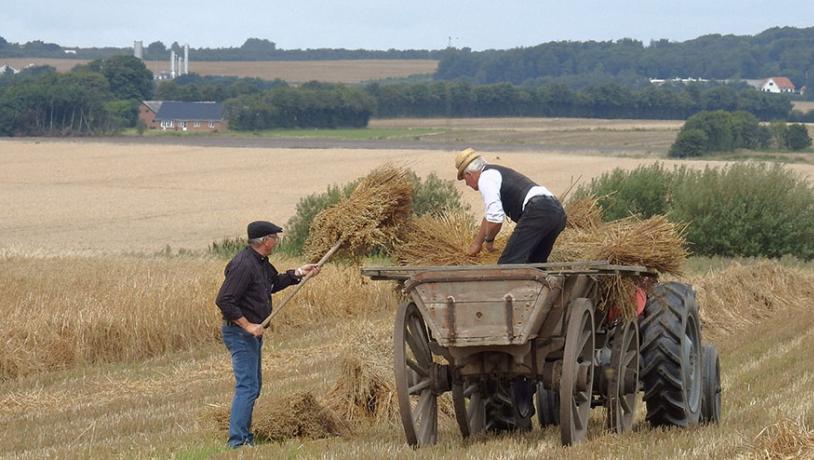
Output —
<point x="138" y="49"/>
<point x="186" y="58"/>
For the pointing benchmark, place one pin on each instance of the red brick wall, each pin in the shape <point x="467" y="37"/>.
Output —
<point x="147" y="116"/>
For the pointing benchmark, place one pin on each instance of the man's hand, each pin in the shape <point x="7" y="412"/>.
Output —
<point x="489" y="245"/>
<point x="306" y="269"/>
<point x="474" y="249"/>
<point x="252" y="328"/>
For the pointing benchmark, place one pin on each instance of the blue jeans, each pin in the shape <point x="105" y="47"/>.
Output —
<point x="245" y="350"/>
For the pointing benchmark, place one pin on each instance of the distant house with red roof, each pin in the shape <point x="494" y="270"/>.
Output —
<point x="778" y="85"/>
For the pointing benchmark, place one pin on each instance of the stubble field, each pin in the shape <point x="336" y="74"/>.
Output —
<point x="112" y="350"/>
<point x="339" y="71"/>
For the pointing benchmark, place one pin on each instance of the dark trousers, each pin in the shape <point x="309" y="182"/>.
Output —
<point x="533" y="238"/>
<point x="531" y="242"/>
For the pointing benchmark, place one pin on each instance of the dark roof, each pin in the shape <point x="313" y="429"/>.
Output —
<point x="155" y="106"/>
<point x="190" y="111"/>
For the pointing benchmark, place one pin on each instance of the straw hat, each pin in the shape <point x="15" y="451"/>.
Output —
<point x="462" y="160"/>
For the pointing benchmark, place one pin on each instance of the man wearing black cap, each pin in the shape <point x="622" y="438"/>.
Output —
<point x="245" y="301"/>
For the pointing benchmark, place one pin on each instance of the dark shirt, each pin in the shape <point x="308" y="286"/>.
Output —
<point x="250" y="280"/>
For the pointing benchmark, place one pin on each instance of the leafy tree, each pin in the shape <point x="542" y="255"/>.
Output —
<point x="129" y="78"/>
<point x="156" y="50"/>
<point x="690" y="142"/>
<point x="797" y="137"/>
<point x="259" y="45"/>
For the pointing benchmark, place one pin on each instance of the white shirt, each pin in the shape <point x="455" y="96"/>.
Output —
<point x="489" y="184"/>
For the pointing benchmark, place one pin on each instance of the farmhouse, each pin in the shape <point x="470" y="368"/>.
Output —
<point x="777" y="85"/>
<point x="183" y="116"/>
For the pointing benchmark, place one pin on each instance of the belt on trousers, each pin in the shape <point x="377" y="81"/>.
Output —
<point x="539" y="197"/>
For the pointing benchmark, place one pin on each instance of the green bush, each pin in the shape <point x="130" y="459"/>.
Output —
<point x="778" y="130"/>
<point x="642" y="191"/>
<point x="435" y="195"/>
<point x="720" y="131"/>
<point x="797" y="137"/>
<point x="689" y="143"/>
<point x="747" y="209"/>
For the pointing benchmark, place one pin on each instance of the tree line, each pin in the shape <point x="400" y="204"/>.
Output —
<point x="608" y="100"/>
<point x="97" y="98"/>
<point x="253" y="49"/>
<point x="785" y="51"/>
<point x="103" y="96"/>
<point x="313" y="105"/>
<point x="462" y="99"/>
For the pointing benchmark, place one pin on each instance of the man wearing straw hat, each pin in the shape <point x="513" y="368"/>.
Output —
<point x="540" y="218"/>
<point x="539" y="215"/>
<point x="245" y="301"/>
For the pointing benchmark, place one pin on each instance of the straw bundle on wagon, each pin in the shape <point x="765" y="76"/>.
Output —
<point x="443" y="240"/>
<point x="584" y="213"/>
<point x="654" y="243"/>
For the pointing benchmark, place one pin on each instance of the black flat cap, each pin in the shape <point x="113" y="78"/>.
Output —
<point x="261" y="228"/>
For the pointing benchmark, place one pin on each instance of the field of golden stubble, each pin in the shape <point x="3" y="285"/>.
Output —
<point x="338" y="71"/>
<point x="112" y="350"/>
<point x="70" y="196"/>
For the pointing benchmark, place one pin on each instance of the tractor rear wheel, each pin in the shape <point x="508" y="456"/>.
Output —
<point x="671" y="356"/>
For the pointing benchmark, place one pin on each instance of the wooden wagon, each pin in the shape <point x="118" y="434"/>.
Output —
<point x="494" y="335"/>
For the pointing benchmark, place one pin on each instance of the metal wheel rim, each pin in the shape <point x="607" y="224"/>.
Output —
<point x="623" y="384"/>
<point x="691" y="354"/>
<point x="470" y="407"/>
<point x="575" y="402"/>
<point x="418" y="403"/>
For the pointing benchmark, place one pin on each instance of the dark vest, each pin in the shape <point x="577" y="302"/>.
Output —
<point x="513" y="190"/>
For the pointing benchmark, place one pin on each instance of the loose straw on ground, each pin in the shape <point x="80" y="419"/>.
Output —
<point x="783" y="440"/>
<point x="364" y="388"/>
<point x="298" y="415"/>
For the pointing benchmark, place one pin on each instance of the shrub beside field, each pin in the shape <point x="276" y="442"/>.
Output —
<point x="747" y="209"/>
<point x="722" y="131"/>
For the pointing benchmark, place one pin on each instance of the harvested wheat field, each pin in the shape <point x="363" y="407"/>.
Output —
<point x="102" y="375"/>
<point x="77" y="197"/>
<point x="112" y="349"/>
<point x="339" y="71"/>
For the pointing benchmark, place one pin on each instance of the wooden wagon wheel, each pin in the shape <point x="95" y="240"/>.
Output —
<point x="415" y="374"/>
<point x="469" y="402"/>
<point x="576" y="383"/>
<point x="623" y="384"/>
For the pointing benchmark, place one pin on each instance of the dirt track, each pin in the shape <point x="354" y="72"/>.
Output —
<point x="80" y="196"/>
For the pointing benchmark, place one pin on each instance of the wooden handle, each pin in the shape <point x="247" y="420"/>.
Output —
<point x="277" y="310"/>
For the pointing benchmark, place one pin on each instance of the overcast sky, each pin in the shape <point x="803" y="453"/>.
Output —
<point x="383" y="24"/>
